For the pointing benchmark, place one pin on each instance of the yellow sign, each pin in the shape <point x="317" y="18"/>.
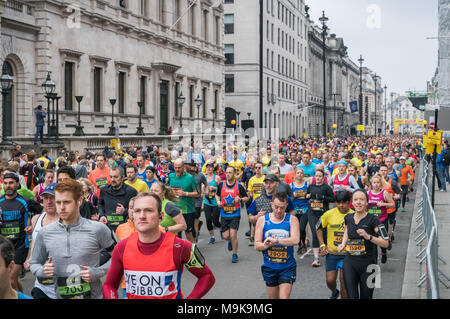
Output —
<point x="434" y="137"/>
<point x="360" y="128"/>
<point x="115" y="142"/>
<point x="397" y="122"/>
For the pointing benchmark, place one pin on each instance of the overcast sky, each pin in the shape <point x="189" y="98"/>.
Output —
<point x="390" y="34"/>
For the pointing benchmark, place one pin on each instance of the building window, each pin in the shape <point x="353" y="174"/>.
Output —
<point x="205" y="100"/>
<point x="144" y="8"/>
<point x="205" y="25"/>
<point x="176" y="92"/>
<point x="177" y="14"/>
<point x="192" y="19"/>
<point x="161" y="12"/>
<point x="216" y="104"/>
<point x="229" y="83"/>
<point x="97" y="88"/>
<point x="229" y="23"/>
<point x="191" y="100"/>
<point x="121" y="94"/>
<point x="143" y="87"/>
<point x="217" y="30"/>
<point x="229" y="1"/>
<point x="229" y="53"/>
<point x="122" y="3"/>
<point x="68" y="85"/>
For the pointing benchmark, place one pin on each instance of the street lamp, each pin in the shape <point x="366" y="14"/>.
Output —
<point x="6" y="82"/>
<point x="180" y="100"/>
<point x="198" y="102"/>
<point x="385" y="105"/>
<point x="238" y="113"/>
<point x="78" y="128"/>
<point x="323" y="19"/>
<point x="249" y="114"/>
<point x="140" y="129"/>
<point x="112" y="129"/>
<point x="48" y="87"/>
<point x="375" y="80"/>
<point x="360" y="60"/>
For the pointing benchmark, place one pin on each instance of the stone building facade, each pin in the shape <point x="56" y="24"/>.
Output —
<point x="133" y="51"/>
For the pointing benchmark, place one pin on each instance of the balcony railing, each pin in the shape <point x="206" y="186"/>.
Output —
<point x="19" y="6"/>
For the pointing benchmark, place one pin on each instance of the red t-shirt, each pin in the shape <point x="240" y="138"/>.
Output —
<point x="181" y="255"/>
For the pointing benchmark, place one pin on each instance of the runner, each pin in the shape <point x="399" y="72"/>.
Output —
<point x="406" y="179"/>
<point x="48" y="176"/>
<point x="301" y="206"/>
<point x="185" y="188"/>
<point x="16" y="213"/>
<point x="150" y="253"/>
<point x="333" y="223"/>
<point x="141" y="167"/>
<point x="343" y="180"/>
<point x="379" y="202"/>
<point x="150" y="176"/>
<point x="283" y="166"/>
<point x="395" y="191"/>
<point x="43" y="288"/>
<point x="212" y="211"/>
<point x="69" y="249"/>
<point x="276" y="234"/>
<point x="229" y="196"/>
<point x="138" y="184"/>
<point x="254" y="189"/>
<point x="193" y="169"/>
<point x="7" y="254"/>
<point x="100" y="175"/>
<point x="308" y="167"/>
<point x="237" y="164"/>
<point x="360" y="242"/>
<point x="320" y="195"/>
<point x="173" y="220"/>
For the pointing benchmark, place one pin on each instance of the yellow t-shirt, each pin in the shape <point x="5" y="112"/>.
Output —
<point x="139" y="185"/>
<point x="357" y="162"/>
<point x="256" y="185"/>
<point x="333" y="222"/>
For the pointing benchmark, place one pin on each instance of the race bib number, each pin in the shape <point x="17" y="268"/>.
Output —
<point x="176" y="190"/>
<point x="337" y="237"/>
<point x="316" y="205"/>
<point x="115" y="220"/>
<point x="211" y="194"/>
<point x="375" y="211"/>
<point x="356" y="247"/>
<point x="73" y="288"/>
<point x="229" y="208"/>
<point x="300" y="211"/>
<point x="11" y="230"/>
<point x="151" y="284"/>
<point x="257" y="188"/>
<point x="300" y="194"/>
<point x="277" y="254"/>
<point x="101" y="182"/>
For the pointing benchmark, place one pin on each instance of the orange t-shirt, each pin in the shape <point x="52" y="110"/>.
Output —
<point x="404" y="175"/>
<point x="99" y="178"/>
<point x="289" y="177"/>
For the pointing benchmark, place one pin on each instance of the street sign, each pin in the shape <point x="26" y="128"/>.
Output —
<point x="434" y="137"/>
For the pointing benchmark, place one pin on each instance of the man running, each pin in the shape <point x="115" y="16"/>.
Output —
<point x="100" y="175"/>
<point x="152" y="261"/>
<point x="275" y="235"/>
<point x="132" y="179"/>
<point x="69" y="249"/>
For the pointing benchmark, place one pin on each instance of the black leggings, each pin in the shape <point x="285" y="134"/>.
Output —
<point x="404" y="194"/>
<point x="313" y="218"/>
<point x="355" y="278"/>
<point x="303" y="220"/>
<point x="212" y="214"/>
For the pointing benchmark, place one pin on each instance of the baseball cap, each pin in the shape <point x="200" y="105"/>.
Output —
<point x="50" y="189"/>
<point x="165" y="162"/>
<point x="402" y="158"/>
<point x="271" y="177"/>
<point x="11" y="175"/>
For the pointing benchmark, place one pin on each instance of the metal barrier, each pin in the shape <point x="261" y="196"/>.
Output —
<point x="426" y="219"/>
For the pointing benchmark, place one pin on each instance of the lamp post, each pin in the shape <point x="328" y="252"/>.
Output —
<point x="112" y="128"/>
<point x="78" y="128"/>
<point x="198" y="102"/>
<point x="360" y="60"/>
<point x="385" y="106"/>
<point x="323" y="19"/>
<point x="180" y="100"/>
<point x="48" y="87"/>
<point x="140" y="129"/>
<point x="249" y="114"/>
<point x="375" y="80"/>
<point x="238" y="125"/>
<point x="6" y="82"/>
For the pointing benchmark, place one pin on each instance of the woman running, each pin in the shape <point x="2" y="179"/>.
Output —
<point x="379" y="202"/>
<point x="212" y="211"/>
<point x="173" y="221"/>
<point x="301" y="205"/>
<point x="320" y="195"/>
<point x="48" y="179"/>
<point x="360" y="240"/>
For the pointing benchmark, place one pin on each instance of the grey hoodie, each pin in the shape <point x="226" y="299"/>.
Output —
<point x="71" y="246"/>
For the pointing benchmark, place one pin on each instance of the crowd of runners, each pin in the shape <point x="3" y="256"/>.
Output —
<point x="135" y="216"/>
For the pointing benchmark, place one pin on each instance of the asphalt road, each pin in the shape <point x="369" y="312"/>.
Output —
<point x="243" y="280"/>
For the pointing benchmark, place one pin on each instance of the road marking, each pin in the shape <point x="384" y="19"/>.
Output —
<point x="303" y="256"/>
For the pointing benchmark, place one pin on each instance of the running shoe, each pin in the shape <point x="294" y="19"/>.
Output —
<point x="407" y="199"/>
<point x="248" y="234"/>
<point x="301" y="249"/>
<point x="336" y="295"/>
<point x="390" y="245"/>
<point x="251" y="242"/>
<point x="383" y="258"/>
<point x="230" y="247"/>
<point x="316" y="263"/>
<point x="212" y="240"/>
<point x="234" y="258"/>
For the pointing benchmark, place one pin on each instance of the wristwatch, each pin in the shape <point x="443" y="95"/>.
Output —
<point x="370" y="238"/>
<point x="166" y="229"/>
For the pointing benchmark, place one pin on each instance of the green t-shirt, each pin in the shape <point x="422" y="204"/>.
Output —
<point x="187" y="183"/>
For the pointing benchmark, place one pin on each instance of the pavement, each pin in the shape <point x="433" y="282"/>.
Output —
<point x="413" y="269"/>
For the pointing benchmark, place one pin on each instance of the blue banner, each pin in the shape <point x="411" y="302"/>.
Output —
<point x="354" y="106"/>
